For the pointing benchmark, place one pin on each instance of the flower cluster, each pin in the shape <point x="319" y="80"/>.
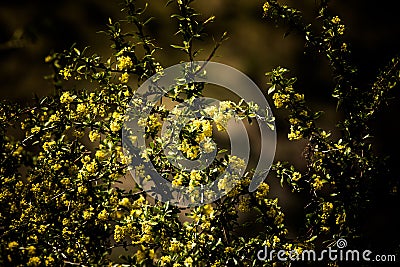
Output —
<point x="196" y="136"/>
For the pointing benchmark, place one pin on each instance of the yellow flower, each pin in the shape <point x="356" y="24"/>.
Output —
<point x="303" y="113"/>
<point x="327" y="207"/>
<point x="159" y="69"/>
<point x="344" y="47"/>
<point x="296" y="176"/>
<point x="18" y="151"/>
<point x="82" y="108"/>
<point x="223" y="184"/>
<point x="207" y="128"/>
<point x="103" y="215"/>
<point x="126" y="159"/>
<point x="211" y="111"/>
<point x="116" y="115"/>
<point x="195" y="175"/>
<point x="276" y="239"/>
<point x="124" y="78"/>
<point x="35" y="129"/>
<point x="142" y="122"/>
<point x="221" y="120"/>
<point x="165" y="260"/>
<point x="298" y="97"/>
<point x="325" y="134"/>
<point x="298" y="250"/>
<point x="125" y="202"/>
<point x="279" y="219"/>
<point x="244" y="204"/>
<point x="54" y="118"/>
<point x="100" y="154"/>
<point x="78" y="134"/>
<point x="208" y="210"/>
<point x="262" y="191"/>
<point x="66" y="73"/>
<point x="325" y="228"/>
<point x="49" y="260"/>
<point x="87" y="214"/>
<point x="266" y="6"/>
<point x="294" y="134"/>
<point x="115" y="126"/>
<point x="207" y="145"/>
<point x="188" y="262"/>
<point x="34" y="261"/>
<point x="47" y="145"/>
<point x="229" y="249"/>
<point x="225" y="105"/>
<point x="91" y="167"/>
<point x="177" y="181"/>
<point x="174" y="246"/>
<point x="124" y="62"/>
<point x="48" y="58"/>
<point x="153" y="124"/>
<point x="119" y="233"/>
<point x="196" y="124"/>
<point x="31" y="250"/>
<point x="82" y="189"/>
<point x="341" y="29"/>
<point x="19" y="184"/>
<point x="203" y="127"/>
<point x="133" y="138"/>
<point x="340" y="146"/>
<point x="140" y="255"/>
<point x="152" y="254"/>
<point x="335" y="20"/>
<point x="294" y="121"/>
<point x="190" y="151"/>
<point x="94" y="135"/>
<point x="85" y="159"/>
<point x="146" y="238"/>
<point x="237" y="164"/>
<point x="280" y="99"/>
<point x="318" y="182"/>
<point x="56" y="167"/>
<point x="13" y="244"/>
<point x="341" y="218"/>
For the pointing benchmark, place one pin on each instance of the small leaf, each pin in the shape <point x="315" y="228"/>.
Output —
<point x="271" y="89"/>
<point x="312" y="239"/>
<point x="178" y="47"/>
<point x="77" y="51"/>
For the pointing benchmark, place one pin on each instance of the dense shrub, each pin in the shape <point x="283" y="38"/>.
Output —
<point x="62" y="160"/>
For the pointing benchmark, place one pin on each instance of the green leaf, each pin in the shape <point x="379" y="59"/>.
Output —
<point x="271" y="89"/>
<point x="312" y="238"/>
<point x="179" y="17"/>
<point x="178" y="47"/>
<point x="77" y="51"/>
<point x="318" y="114"/>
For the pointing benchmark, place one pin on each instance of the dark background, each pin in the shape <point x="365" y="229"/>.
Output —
<point x="30" y="30"/>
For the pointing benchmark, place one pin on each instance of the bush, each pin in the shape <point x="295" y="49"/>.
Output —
<point x="62" y="159"/>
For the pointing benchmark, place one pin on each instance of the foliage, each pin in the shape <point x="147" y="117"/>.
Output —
<point x="60" y="199"/>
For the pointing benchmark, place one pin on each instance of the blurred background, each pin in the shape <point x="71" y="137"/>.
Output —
<point x="31" y="29"/>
